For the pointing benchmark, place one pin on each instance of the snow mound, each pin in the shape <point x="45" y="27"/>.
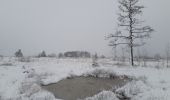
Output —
<point x="101" y="73"/>
<point x="43" y="95"/>
<point x="104" y="95"/>
<point x="133" y="89"/>
<point x="154" y="94"/>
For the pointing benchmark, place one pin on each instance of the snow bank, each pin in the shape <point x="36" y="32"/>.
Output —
<point x="43" y="95"/>
<point x="104" y="95"/>
<point x="21" y="80"/>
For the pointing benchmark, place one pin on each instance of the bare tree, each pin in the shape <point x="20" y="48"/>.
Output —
<point x="167" y="51"/>
<point x="130" y="30"/>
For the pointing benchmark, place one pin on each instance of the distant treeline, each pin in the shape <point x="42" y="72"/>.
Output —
<point x="75" y="54"/>
<point x="71" y="54"/>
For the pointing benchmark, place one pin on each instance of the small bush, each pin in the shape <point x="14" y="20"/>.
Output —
<point x="18" y="53"/>
<point x="102" y="73"/>
<point x="29" y="88"/>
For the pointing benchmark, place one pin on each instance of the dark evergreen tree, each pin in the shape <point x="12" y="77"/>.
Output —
<point x="18" y="53"/>
<point x="42" y="54"/>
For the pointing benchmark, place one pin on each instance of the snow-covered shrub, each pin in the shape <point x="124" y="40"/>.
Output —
<point x="33" y="91"/>
<point x="154" y="94"/>
<point x="132" y="89"/>
<point x="104" y="95"/>
<point x="71" y="75"/>
<point x="29" y="88"/>
<point x="42" y="95"/>
<point x="102" y="73"/>
<point x="42" y="78"/>
<point x="39" y="78"/>
<point x="31" y="74"/>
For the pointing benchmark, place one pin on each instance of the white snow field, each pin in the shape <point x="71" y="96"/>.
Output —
<point x="22" y="79"/>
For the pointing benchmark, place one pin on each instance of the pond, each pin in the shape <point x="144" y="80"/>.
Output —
<point x="82" y="87"/>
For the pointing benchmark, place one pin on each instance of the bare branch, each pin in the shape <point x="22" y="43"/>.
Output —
<point x="124" y="4"/>
<point x="123" y="25"/>
<point x="137" y="45"/>
<point x="116" y="44"/>
<point x="134" y="2"/>
<point x="146" y="29"/>
<point x="142" y="36"/>
<point x="130" y="26"/>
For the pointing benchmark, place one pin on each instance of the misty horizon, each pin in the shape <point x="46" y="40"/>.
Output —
<point x="59" y="26"/>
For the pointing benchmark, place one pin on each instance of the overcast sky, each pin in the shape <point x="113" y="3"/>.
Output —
<point x="61" y="25"/>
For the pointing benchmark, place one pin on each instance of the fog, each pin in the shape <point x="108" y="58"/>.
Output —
<point x="62" y="25"/>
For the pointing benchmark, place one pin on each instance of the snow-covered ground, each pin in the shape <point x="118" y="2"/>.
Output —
<point x="22" y="80"/>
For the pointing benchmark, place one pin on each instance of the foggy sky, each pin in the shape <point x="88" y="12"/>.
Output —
<point x="62" y="25"/>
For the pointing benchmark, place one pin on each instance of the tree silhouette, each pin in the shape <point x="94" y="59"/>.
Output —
<point x="18" y="53"/>
<point x="130" y="30"/>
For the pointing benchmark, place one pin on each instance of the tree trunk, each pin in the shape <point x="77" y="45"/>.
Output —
<point x="132" y="62"/>
<point x="131" y="38"/>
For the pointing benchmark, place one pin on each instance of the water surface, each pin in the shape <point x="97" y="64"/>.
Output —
<point x="82" y="87"/>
